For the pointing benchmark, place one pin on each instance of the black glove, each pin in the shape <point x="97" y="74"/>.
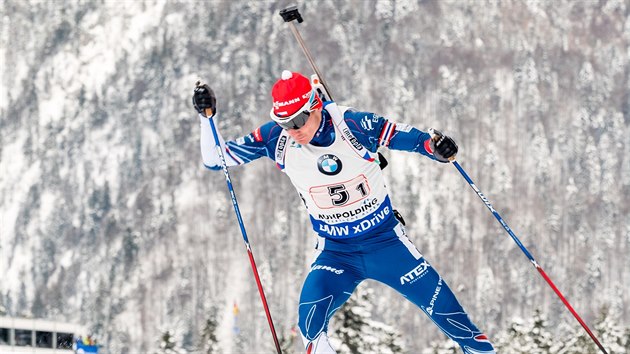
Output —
<point x="203" y="98"/>
<point x="443" y="147"/>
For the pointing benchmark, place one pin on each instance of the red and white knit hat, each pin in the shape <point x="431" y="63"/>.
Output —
<point x="291" y="94"/>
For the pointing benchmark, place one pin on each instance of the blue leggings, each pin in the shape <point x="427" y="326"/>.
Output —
<point x="389" y="258"/>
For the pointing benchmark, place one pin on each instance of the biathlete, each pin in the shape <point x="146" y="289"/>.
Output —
<point x="329" y="152"/>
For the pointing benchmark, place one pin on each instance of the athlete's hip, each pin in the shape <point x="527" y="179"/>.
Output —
<point x="386" y="257"/>
<point x="393" y="235"/>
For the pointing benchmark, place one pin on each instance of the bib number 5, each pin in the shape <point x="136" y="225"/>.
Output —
<point x="339" y="194"/>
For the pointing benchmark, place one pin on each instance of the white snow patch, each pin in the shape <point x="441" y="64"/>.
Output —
<point x="65" y="260"/>
<point x="17" y="179"/>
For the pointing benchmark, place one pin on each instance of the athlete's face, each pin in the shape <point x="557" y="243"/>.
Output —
<point x="305" y="134"/>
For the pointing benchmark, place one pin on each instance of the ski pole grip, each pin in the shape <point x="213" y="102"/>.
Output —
<point x="291" y="13"/>
<point x="435" y="136"/>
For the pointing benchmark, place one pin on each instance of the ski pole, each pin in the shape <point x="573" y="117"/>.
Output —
<point x="237" y="211"/>
<point x="529" y="255"/>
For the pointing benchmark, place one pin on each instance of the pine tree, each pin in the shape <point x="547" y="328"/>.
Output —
<point x="390" y="339"/>
<point x="580" y="344"/>
<point x="608" y="332"/>
<point x="626" y="340"/>
<point x="350" y="321"/>
<point x="209" y="341"/>
<point x="527" y="338"/>
<point x="541" y="337"/>
<point x="168" y="344"/>
<point x="446" y="346"/>
<point x="354" y="331"/>
<point x="288" y="341"/>
<point x="534" y="337"/>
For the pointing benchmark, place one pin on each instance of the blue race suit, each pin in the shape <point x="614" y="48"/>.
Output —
<point x="358" y="235"/>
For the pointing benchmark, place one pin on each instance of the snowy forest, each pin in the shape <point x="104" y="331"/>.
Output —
<point x="109" y="219"/>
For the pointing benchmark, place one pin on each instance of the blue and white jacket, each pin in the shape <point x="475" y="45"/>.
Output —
<point x="344" y="193"/>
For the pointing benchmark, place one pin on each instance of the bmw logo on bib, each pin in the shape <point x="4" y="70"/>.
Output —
<point x="329" y="164"/>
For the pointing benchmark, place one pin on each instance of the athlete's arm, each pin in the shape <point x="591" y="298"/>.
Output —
<point x="374" y="131"/>
<point x="261" y="142"/>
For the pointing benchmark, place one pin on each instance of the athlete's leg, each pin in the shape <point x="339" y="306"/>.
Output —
<point x="331" y="281"/>
<point x="402" y="267"/>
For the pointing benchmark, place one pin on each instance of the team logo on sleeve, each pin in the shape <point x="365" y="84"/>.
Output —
<point x="329" y="164"/>
<point x="369" y="122"/>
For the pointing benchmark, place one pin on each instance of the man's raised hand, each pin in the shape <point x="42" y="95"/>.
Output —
<point x="204" y="100"/>
<point x="444" y="147"/>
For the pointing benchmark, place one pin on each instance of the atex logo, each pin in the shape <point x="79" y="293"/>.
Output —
<point x="415" y="274"/>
